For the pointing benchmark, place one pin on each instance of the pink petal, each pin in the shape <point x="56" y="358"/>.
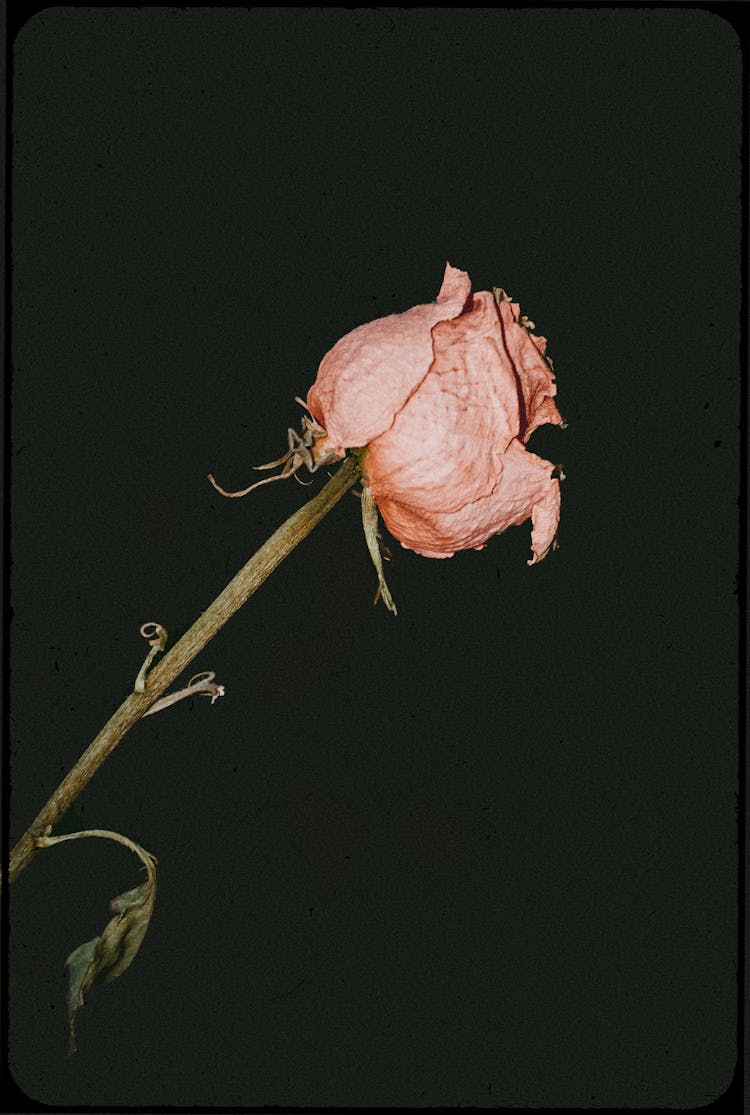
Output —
<point x="445" y="447"/>
<point x="545" y="516"/>
<point x="366" y="378"/>
<point x="524" y="489"/>
<point x="535" y="376"/>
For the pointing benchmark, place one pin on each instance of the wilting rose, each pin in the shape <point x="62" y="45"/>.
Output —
<point x="443" y="399"/>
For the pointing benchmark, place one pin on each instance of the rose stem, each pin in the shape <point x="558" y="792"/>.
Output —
<point x="240" y="588"/>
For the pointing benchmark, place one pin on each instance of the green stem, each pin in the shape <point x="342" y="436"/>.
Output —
<point x="240" y="588"/>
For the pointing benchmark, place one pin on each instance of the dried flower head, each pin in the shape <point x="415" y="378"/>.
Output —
<point x="440" y="401"/>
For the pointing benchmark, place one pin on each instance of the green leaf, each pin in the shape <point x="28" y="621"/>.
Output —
<point x="106" y="957"/>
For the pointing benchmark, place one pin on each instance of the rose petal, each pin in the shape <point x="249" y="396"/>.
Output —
<point x="445" y="447"/>
<point x="535" y="376"/>
<point x="545" y="516"/>
<point x="366" y="378"/>
<point x="525" y="489"/>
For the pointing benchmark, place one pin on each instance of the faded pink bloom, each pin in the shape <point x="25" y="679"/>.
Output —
<point x="443" y="399"/>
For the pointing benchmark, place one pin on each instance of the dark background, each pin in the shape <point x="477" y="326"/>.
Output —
<point x="483" y="853"/>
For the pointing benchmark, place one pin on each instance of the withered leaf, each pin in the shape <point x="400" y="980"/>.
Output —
<point x="106" y="957"/>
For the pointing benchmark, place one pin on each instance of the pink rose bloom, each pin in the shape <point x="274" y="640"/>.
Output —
<point x="443" y="399"/>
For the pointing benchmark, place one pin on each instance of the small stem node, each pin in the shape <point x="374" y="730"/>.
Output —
<point x="157" y="639"/>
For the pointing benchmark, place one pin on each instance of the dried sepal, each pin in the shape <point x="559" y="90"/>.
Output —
<point x="372" y="537"/>
<point x="310" y="449"/>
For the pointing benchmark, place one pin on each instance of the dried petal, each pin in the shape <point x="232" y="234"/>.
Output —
<point x="446" y="446"/>
<point x="535" y="377"/>
<point x="369" y="374"/>
<point x="525" y="488"/>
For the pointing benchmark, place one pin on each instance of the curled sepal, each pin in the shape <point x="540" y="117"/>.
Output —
<point x="372" y="537"/>
<point x="311" y="448"/>
<point x="104" y="958"/>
